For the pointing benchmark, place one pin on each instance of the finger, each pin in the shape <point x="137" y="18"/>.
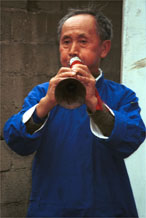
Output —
<point x="54" y="81"/>
<point x="84" y="71"/>
<point x="86" y="79"/>
<point x="66" y="74"/>
<point x="63" y="70"/>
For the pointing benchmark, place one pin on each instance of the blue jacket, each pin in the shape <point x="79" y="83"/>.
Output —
<point x="75" y="173"/>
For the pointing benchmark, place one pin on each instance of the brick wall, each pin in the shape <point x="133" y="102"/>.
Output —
<point x="30" y="56"/>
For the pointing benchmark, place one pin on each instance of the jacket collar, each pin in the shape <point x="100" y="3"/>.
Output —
<point x="99" y="79"/>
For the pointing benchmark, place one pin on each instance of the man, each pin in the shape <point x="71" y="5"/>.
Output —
<point x="78" y="169"/>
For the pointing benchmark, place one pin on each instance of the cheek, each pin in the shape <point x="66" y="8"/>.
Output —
<point x="91" y="58"/>
<point x="63" y="57"/>
<point x="91" y="53"/>
<point x="64" y="61"/>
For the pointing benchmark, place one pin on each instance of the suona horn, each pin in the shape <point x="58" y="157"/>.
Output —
<point x="70" y="92"/>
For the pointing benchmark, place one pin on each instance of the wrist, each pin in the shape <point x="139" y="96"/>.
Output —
<point x="37" y="119"/>
<point x="44" y="107"/>
<point x="96" y="105"/>
<point x="99" y="106"/>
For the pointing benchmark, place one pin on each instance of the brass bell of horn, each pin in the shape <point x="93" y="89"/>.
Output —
<point x="70" y="92"/>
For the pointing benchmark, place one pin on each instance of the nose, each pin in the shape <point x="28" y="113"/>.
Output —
<point x="74" y="49"/>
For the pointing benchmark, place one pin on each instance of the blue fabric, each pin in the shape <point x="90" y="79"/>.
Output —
<point x="75" y="173"/>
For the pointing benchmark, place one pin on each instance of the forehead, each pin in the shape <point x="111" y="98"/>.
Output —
<point x="84" y="23"/>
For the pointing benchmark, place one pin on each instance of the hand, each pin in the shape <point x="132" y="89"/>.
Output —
<point x="62" y="74"/>
<point x="49" y="101"/>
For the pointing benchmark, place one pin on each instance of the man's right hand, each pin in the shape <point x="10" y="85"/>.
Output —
<point x="48" y="102"/>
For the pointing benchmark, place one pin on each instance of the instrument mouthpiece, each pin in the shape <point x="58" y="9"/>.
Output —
<point x="75" y="60"/>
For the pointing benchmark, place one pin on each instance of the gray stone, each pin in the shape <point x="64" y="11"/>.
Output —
<point x="14" y="4"/>
<point x="15" y="185"/>
<point x="15" y="209"/>
<point x="5" y="160"/>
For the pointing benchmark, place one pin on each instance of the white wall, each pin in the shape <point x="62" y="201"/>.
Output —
<point x="133" y="75"/>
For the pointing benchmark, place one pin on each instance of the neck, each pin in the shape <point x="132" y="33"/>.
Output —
<point x="97" y="73"/>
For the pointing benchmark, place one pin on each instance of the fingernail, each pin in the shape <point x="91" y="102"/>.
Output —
<point x="73" y="72"/>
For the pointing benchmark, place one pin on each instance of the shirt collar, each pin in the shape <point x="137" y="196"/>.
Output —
<point x="99" y="79"/>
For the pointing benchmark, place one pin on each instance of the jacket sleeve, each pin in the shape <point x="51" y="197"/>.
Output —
<point x="129" y="129"/>
<point x="15" y="133"/>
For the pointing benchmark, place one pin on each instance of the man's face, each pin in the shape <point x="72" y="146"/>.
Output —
<point x="79" y="37"/>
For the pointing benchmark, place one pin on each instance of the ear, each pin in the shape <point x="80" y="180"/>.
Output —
<point x="105" y="48"/>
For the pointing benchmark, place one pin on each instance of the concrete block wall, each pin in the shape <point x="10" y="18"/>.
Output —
<point x="29" y="55"/>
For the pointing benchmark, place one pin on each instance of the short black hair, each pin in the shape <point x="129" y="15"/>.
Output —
<point x="104" y="25"/>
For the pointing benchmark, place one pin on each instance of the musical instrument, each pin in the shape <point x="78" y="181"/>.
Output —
<point x="70" y="93"/>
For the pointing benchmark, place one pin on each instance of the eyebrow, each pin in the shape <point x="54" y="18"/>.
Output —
<point x="82" y="35"/>
<point x="65" y="37"/>
<point x="79" y="36"/>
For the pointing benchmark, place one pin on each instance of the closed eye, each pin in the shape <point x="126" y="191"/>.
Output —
<point x="66" y="42"/>
<point x="83" y="41"/>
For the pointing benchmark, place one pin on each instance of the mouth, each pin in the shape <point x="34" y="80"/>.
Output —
<point x="72" y="59"/>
